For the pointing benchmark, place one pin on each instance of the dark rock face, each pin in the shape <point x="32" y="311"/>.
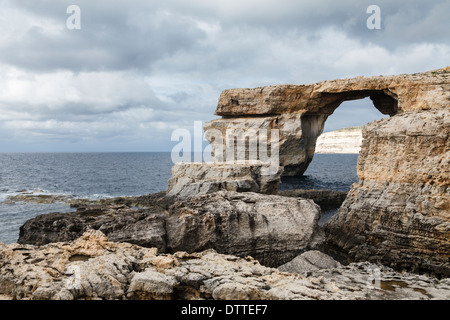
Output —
<point x="120" y="223"/>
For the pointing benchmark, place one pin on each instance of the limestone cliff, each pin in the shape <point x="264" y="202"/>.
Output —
<point x="347" y="140"/>
<point x="390" y="94"/>
<point x="399" y="211"/>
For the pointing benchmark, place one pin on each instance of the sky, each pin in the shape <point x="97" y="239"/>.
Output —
<point x="135" y="71"/>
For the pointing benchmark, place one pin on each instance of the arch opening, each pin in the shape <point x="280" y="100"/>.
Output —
<point x="335" y="170"/>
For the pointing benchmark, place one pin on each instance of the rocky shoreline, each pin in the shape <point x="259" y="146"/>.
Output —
<point x="133" y="248"/>
<point x="225" y="231"/>
<point x="92" y="267"/>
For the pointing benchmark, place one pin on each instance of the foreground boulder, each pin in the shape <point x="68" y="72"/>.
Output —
<point x="92" y="267"/>
<point x="309" y="261"/>
<point x="120" y="223"/>
<point x="271" y="229"/>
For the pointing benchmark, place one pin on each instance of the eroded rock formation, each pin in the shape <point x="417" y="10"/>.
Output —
<point x="300" y="111"/>
<point x="271" y="229"/>
<point x="399" y="212"/>
<point x="191" y="179"/>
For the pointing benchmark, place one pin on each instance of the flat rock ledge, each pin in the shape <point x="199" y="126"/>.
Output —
<point x="92" y="267"/>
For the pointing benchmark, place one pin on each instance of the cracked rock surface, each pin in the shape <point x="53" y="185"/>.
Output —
<point x="92" y="267"/>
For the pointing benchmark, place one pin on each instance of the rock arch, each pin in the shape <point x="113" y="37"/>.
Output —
<point x="299" y="120"/>
<point x="300" y="111"/>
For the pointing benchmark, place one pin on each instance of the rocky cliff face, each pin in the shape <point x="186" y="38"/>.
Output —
<point x="346" y="140"/>
<point x="399" y="212"/>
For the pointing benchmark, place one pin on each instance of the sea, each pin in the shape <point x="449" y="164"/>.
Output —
<point x="105" y="175"/>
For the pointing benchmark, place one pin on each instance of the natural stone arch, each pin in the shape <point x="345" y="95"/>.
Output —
<point x="313" y="121"/>
<point x="298" y="112"/>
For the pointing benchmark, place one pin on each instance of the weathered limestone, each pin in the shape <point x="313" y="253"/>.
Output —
<point x="390" y="94"/>
<point x="399" y="212"/>
<point x="271" y="229"/>
<point x="293" y="142"/>
<point x="191" y="179"/>
<point x="92" y="267"/>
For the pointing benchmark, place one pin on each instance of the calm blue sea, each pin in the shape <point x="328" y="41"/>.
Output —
<point x="101" y="175"/>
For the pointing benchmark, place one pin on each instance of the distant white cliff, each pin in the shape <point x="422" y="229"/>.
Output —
<point x="347" y="140"/>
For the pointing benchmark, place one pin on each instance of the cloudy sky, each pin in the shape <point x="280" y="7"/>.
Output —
<point x="137" y="70"/>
